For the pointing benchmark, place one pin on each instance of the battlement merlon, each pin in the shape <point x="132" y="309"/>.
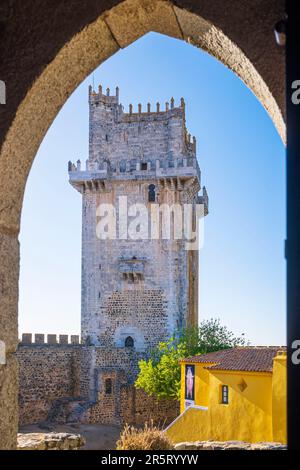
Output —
<point x="104" y="98"/>
<point x="109" y="100"/>
<point x="98" y="175"/>
<point x="111" y="107"/>
<point x="39" y="339"/>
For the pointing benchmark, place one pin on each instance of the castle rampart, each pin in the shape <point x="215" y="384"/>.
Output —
<point x="49" y="339"/>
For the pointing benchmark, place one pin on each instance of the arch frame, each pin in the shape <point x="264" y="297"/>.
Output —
<point x="96" y="41"/>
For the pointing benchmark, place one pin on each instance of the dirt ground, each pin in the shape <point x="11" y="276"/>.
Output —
<point x="97" y="436"/>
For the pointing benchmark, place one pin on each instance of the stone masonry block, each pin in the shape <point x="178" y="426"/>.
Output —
<point x="51" y="339"/>
<point x="26" y="338"/>
<point x="9" y="378"/>
<point x="133" y="18"/>
<point x="39" y="338"/>
<point x="63" y="339"/>
<point x="74" y="339"/>
<point x="9" y="278"/>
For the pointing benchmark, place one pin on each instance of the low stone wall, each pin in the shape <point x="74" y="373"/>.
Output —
<point x="50" y="441"/>
<point x="138" y="408"/>
<point x="134" y="407"/>
<point x="229" y="445"/>
<point x="47" y="372"/>
<point x="61" y="382"/>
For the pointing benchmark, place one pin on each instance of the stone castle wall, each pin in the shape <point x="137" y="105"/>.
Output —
<point x="68" y="382"/>
<point x="47" y="373"/>
<point x="114" y="304"/>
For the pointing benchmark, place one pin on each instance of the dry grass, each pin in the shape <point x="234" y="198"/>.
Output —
<point x="148" y="438"/>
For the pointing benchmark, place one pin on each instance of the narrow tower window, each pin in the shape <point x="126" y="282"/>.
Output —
<point x="129" y="343"/>
<point x="151" y="193"/>
<point x="108" y="386"/>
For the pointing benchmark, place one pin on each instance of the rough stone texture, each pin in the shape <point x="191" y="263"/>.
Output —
<point x="9" y="397"/>
<point x="229" y="445"/>
<point x="9" y="278"/>
<point x="132" y="19"/>
<point x="66" y="383"/>
<point x="138" y="408"/>
<point x="47" y="373"/>
<point x="50" y="441"/>
<point x="9" y="272"/>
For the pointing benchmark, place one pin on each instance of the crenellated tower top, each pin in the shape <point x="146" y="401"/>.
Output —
<point x="107" y="100"/>
<point x="141" y="143"/>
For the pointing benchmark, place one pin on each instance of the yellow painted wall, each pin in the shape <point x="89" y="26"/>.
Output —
<point x="257" y="413"/>
<point x="191" y="424"/>
<point x="279" y="395"/>
<point x="248" y="416"/>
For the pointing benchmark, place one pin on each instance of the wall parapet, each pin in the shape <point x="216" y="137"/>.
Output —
<point x="51" y="339"/>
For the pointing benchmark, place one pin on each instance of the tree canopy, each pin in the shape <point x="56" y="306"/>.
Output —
<point x="160" y="374"/>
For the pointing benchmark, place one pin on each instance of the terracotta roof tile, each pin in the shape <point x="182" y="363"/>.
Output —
<point x="249" y="358"/>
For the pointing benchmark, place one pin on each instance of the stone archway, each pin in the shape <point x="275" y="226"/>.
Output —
<point x="91" y="44"/>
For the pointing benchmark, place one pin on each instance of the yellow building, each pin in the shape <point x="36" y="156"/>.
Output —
<point x="233" y="394"/>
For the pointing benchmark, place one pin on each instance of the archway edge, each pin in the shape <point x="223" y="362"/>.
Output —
<point x="114" y="29"/>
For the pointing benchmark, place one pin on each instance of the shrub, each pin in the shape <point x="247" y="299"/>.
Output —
<point x="160" y="374"/>
<point x="148" y="438"/>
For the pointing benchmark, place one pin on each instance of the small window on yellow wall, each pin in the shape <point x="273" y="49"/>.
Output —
<point x="224" y="395"/>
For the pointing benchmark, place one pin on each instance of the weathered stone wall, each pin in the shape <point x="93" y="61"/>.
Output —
<point x="75" y="377"/>
<point x="47" y="373"/>
<point x="137" y="408"/>
<point x="118" y="136"/>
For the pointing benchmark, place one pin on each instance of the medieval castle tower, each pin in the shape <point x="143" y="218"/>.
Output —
<point x="139" y="279"/>
<point x="137" y="289"/>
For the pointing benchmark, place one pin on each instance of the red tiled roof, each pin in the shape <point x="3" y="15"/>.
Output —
<point x="248" y="358"/>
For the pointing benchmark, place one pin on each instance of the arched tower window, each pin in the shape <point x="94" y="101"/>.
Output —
<point x="151" y="193"/>
<point x="129" y="343"/>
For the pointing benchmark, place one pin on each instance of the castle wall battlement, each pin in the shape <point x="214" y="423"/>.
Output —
<point x="51" y="339"/>
<point x="113" y="100"/>
<point x="183" y="168"/>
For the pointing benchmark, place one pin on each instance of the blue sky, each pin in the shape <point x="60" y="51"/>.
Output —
<point x="242" y="159"/>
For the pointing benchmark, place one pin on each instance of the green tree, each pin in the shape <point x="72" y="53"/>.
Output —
<point x="160" y="374"/>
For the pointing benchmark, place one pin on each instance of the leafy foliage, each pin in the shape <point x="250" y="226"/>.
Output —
<point x="160" y="374"/>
